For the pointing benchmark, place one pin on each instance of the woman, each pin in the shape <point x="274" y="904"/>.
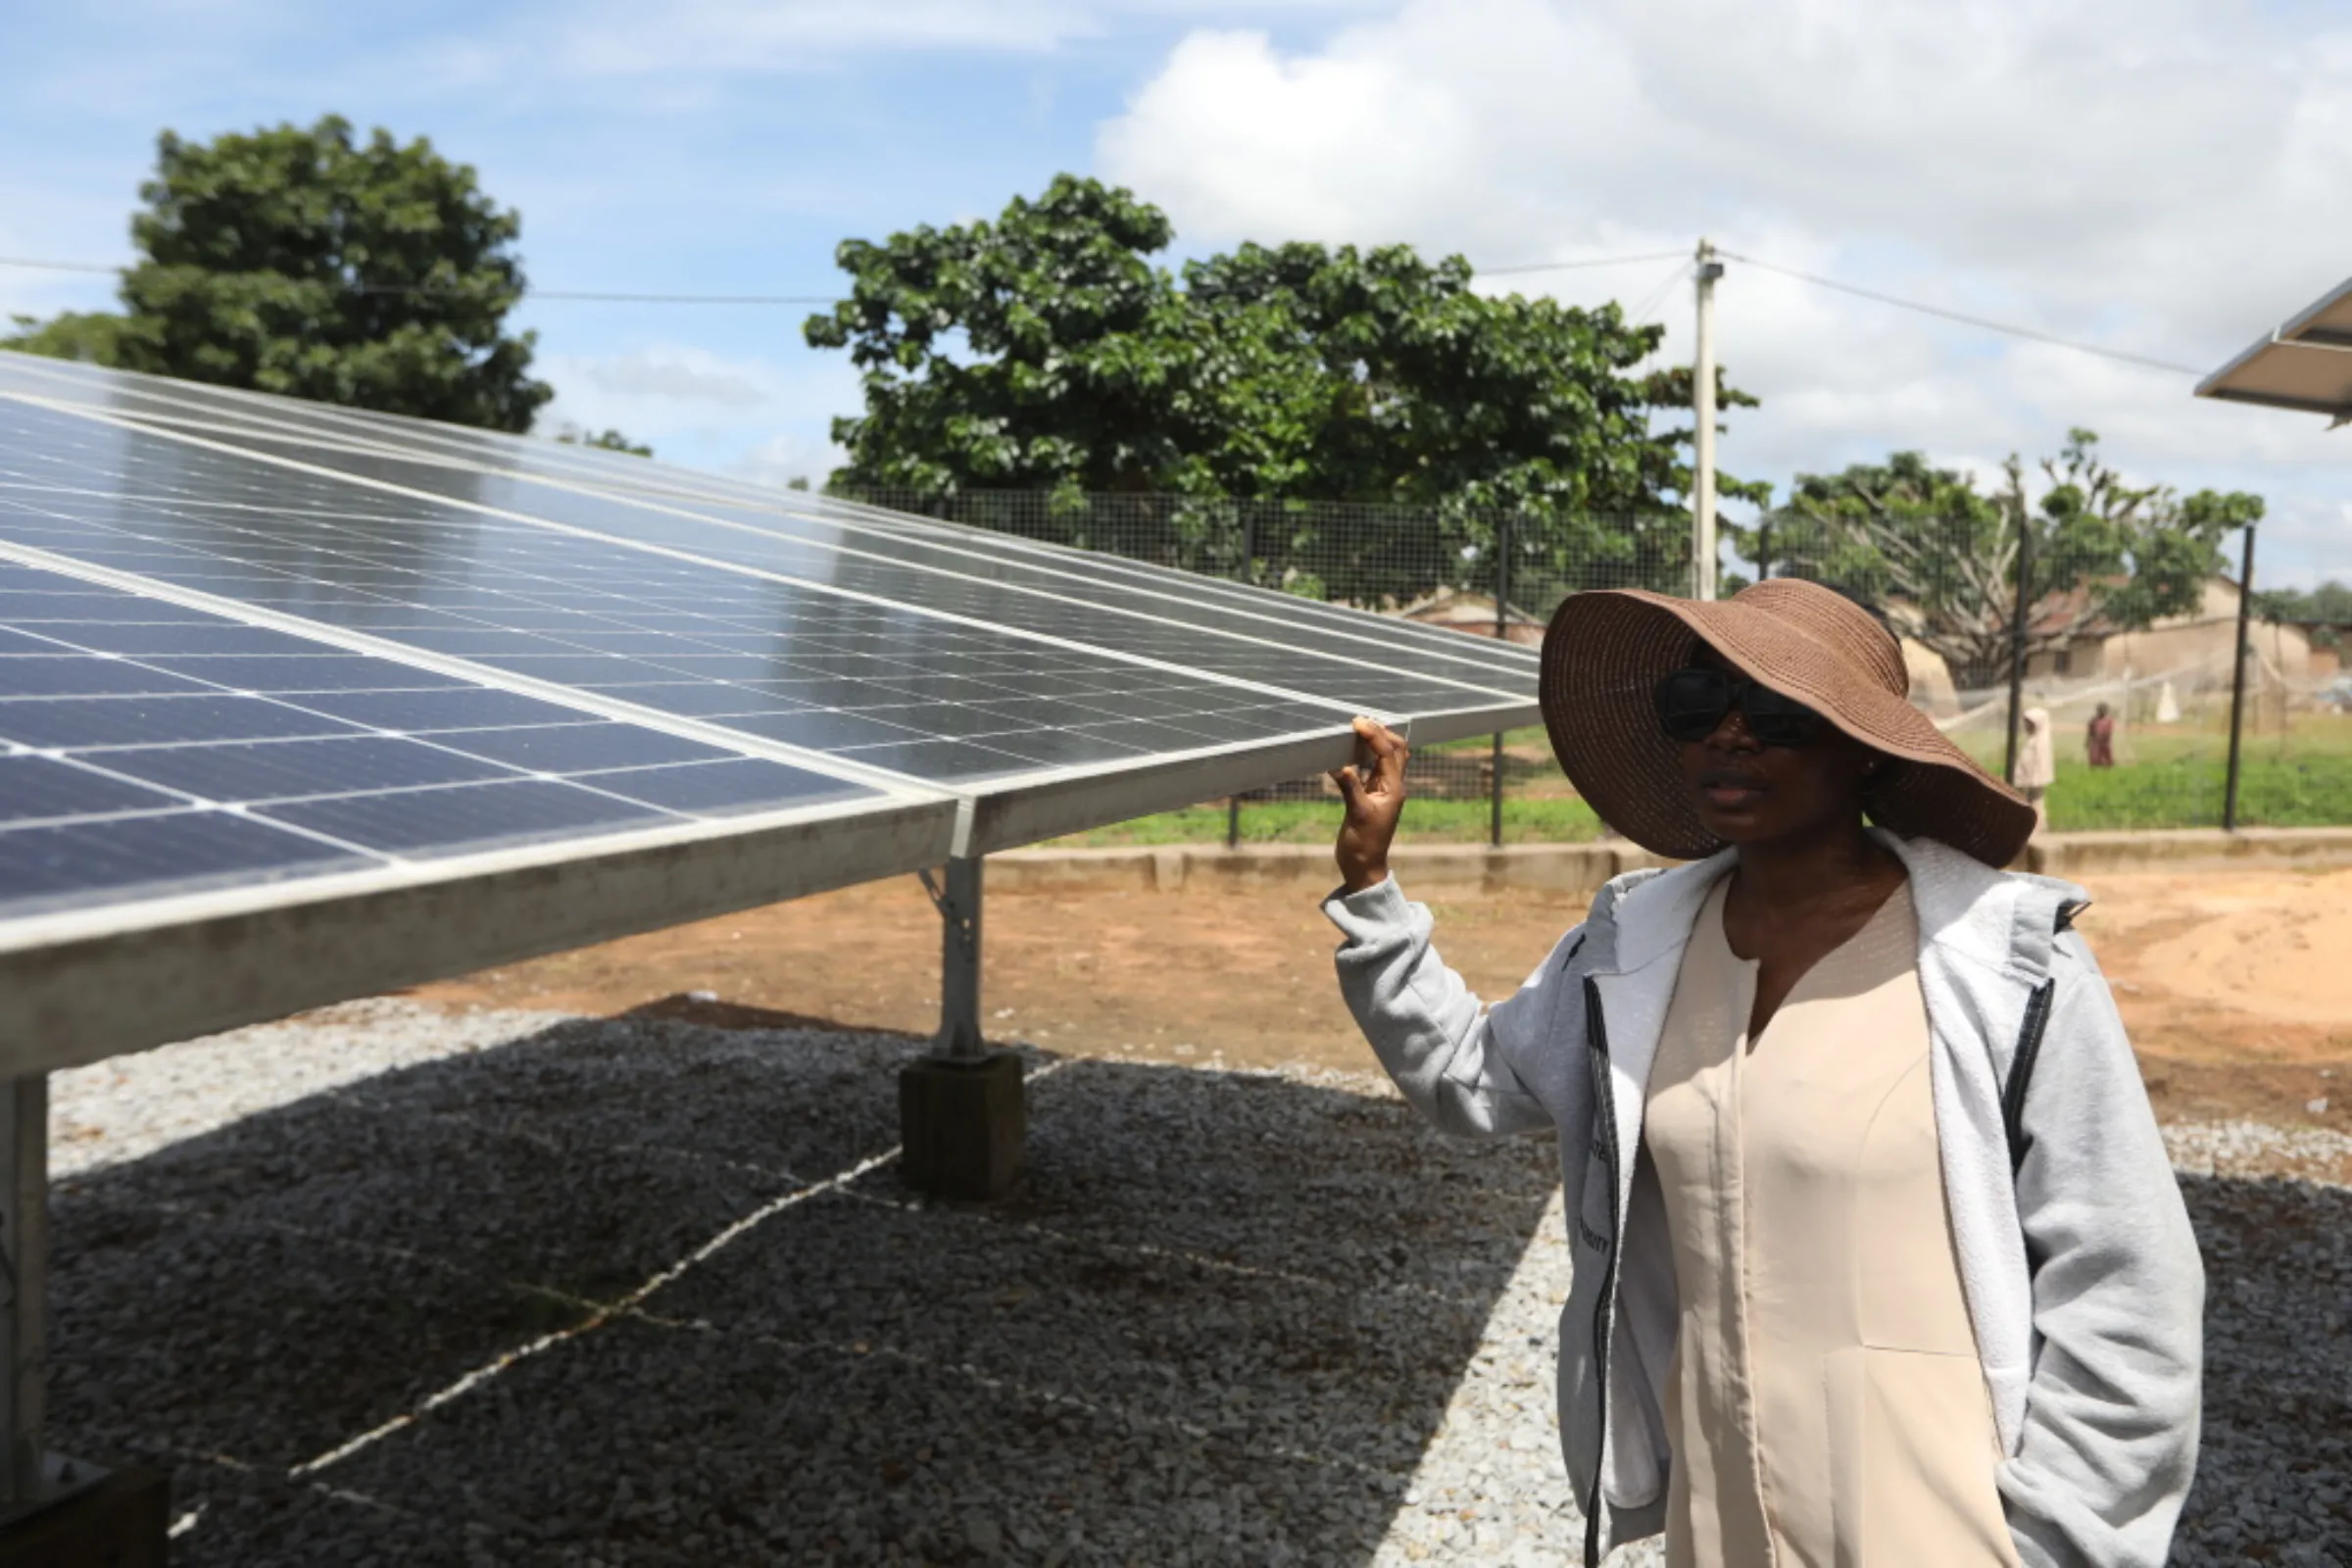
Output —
<point x="2037" y="763"/>
<point x="2098" y="737"/>
<point x="1877" y="1256"/>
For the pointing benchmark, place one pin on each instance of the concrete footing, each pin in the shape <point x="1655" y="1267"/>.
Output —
<point x="120" y="1521"/>
<point x="964" y="1124"/>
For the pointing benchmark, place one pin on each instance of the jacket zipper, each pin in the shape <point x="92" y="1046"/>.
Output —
<point x="1604" y="1111"/>
<point x="2029" y="1049"/>
<point x="2021" y="1072"/>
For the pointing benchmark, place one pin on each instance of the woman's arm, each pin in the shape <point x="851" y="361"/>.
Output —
<point x="2110" y="1441"/>
<point x="1447" y="1051"/>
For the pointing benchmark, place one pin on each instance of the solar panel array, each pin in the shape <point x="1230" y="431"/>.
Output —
<point x="247" y="642"/>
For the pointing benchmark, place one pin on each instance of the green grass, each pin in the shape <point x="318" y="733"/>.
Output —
<point x="1563" y="820"/>
<point x="1533" y="737"/>
<point x="2300" y="789"/>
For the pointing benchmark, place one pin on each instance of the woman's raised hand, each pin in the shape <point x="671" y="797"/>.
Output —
<point x="1373" y="804"/>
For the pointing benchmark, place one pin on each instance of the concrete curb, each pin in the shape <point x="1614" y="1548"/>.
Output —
<point x="1584" y="868"/>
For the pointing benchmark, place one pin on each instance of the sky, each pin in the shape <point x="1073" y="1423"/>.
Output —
<point x="2158" y="177"/>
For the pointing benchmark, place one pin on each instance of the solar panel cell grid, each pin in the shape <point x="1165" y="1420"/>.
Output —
<point x="78" y="862"/>
<point x="1325" y="664"/>
<point x="583" y="593"/>
<point x="423" y="824"/>
<point x="1255" y="651"/>
<point x="35" y="787"/>
<point x="246" y="642"/>
<point x="832" y="525"/>
<point x="219" y="769"/>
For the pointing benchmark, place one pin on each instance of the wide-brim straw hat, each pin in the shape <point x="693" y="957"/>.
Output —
<point x="1606" y="651"/>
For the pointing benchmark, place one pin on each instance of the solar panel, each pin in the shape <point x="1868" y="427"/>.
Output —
<point x="827" y="524"/>
<point x="149" y="749"/>
<point x="259" y="656"/>
<point x="847" y="635"/>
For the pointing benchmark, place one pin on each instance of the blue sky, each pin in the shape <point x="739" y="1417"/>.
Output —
<point x="2174" y="198"/>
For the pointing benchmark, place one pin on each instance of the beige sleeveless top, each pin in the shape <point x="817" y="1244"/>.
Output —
<point x="1826" y="1406"/>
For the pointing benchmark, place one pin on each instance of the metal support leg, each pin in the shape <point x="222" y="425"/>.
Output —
<point x="24" y="1261"/>
<point x="52" y="1510"/>
<point x="958" y="905"/>
<point x="963" y="1116"/>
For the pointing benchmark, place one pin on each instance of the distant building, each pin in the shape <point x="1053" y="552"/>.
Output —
<point x="1931" y="679"/>
<point x="1474" y="613"/>
<point x="2199" y="644"/>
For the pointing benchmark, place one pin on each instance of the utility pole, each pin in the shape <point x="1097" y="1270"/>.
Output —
<point x="2238" y="683"/>
<point x="2020" y="622"/>
<point x="1702" y="445"/>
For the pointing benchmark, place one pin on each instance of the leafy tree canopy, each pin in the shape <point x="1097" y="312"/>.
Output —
<point x="93" y="336"/>
<point x="303" y="262"/>
<point x="2102" y="551"/>
<point x="1046" y="352"/>
<point x="2323" y="611"/>
<point x="2330" y="603"/>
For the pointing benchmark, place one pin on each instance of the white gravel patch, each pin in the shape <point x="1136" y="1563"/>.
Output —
<point x="2253" y="1149"/>
<point x="389" y="1285"/>
<point x="128" y="1107"/>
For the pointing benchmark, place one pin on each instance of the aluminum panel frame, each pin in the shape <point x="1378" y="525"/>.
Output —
<point x="1021" y="811"/>
<point x="80" y="986"/>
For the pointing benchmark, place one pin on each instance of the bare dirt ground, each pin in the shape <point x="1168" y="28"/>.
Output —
<point x="2236" y="984"/>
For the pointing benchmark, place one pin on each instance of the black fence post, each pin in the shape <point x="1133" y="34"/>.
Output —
<point x="1233" y="803"/>
<point x="1502" y="630"/>
<point x="2237" y="682"/>
<point x="2017" y="637"/>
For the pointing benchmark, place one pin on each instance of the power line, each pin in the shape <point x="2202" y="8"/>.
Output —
<point x="1656" y="297"/>
<point x="1567" y="266"/>
<point x="1640" y="315"/>
<point x="57" y="267"/>
<point x="2013" y="330"/>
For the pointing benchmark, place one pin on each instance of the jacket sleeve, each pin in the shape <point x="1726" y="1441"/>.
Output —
<point x="2110" y="1438"/>
<point x="1452" y="1055"/>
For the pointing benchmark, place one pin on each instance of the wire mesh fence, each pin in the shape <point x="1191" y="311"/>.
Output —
<point x="2137" y="697"/>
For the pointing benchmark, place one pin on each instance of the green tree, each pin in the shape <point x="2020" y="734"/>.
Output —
<point x="2322" y="611"/>
<point x="574" y="435"/>
<point x="92" y="336"/>
<point x="305" y="262"/>
<point x="1942" y="553"/>
<point x="1046" y="352"/>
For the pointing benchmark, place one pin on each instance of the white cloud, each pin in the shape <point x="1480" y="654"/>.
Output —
<point x="2158" y="176"/>
<point x="762" y="418"/>
<point x="677" y="371"/>
<point x="782" y="459"/>
<point x="659" y="382"/>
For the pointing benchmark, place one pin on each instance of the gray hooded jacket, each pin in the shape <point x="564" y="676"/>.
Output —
<point x="2080" y="1271"/>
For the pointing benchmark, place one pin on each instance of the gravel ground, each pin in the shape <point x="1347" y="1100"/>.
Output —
<point x="388" y="1286"/>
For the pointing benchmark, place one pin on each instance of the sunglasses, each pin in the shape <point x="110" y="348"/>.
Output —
<point x="1691" y="703"/>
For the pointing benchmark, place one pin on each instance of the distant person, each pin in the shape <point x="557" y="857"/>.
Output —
<point x="2099" y="741"/>
<point x="2036" y="762"/>
<point x="1877" y="1258"/>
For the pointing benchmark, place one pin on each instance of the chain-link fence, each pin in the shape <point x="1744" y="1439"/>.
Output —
<point x="2132" y="682"/>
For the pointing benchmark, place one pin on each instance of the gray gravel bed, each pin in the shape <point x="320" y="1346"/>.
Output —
<point x="1248" y="1318"/>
